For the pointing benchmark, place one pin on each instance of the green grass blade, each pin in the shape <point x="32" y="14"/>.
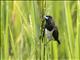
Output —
<point x="69" y="28"/>
<point x="77" y="35"/>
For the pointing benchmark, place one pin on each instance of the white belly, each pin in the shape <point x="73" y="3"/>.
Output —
<point x="49" y="34"/>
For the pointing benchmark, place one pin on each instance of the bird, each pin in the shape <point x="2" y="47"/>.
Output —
<point x="51" y="29"/>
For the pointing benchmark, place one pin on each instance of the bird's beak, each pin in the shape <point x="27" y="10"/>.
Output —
<point x="45" y="17"/>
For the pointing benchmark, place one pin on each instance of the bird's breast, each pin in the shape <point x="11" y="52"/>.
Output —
<point x="49" y="27"/>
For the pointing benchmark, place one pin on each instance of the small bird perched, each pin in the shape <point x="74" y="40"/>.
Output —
<point x="50" y="29"/>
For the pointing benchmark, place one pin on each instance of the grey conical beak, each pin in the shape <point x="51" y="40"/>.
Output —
<point x="45" y="17"/>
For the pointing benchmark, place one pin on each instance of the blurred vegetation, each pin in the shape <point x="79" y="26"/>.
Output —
<point x="22" y="25"/>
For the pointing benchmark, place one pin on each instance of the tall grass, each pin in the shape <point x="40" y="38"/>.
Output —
<point x="22" y="25"/>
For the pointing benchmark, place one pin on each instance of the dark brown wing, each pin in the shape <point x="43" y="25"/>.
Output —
<point x="55" y="34"/>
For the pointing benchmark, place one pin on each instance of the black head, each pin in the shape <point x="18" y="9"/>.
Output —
<point x="47" y="18"/>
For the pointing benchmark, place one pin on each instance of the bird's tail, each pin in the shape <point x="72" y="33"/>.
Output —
<point x="58" y="42"/>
